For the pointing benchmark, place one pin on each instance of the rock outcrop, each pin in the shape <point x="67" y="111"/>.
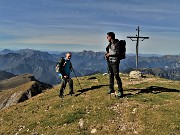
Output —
<point x="20" y="88"/>
<point x="135" y="74"/>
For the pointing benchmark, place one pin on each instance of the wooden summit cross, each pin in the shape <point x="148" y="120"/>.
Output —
<point x="136" y="38"/>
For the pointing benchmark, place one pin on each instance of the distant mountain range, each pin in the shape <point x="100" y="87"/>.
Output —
<point x="5" y="51"/>
<point x="145" y="55"/>
<point x="42" y="64"/>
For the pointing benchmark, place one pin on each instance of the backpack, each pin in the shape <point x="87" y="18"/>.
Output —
<point x="122" y="49"/>
<point x="60" y="65"/>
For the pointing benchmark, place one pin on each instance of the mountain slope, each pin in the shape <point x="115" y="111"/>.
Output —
<point x="5" y="51"/>
<point x="5" y="75"/>
<point x="40" y="64"/>
<point x="150" y="107"/>
<point x="19" y="88"/>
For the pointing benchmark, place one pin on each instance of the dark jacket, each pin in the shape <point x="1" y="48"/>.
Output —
<point x="113" y="50"/>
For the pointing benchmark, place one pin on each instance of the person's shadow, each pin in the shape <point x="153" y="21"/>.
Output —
<point x="88" y="89"/>
<point x="155" y="90"/>
<point x="151" y="89"/>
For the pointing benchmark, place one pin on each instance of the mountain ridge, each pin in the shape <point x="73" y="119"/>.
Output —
<point x="5" y="75"/>
<point x="20" y="88"/>
<point x="42" y="64"/>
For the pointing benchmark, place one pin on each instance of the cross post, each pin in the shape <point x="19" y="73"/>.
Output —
<point x="137" y="38"/>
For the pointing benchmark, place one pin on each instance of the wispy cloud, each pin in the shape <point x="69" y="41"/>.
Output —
<point x="86" y="23"/>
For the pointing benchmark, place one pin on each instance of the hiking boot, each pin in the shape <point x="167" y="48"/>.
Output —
<point x="120" y="94"/>
<point x="110" y="91"/>
<point x="71" y="93"/>
<point x="61" y="95"/>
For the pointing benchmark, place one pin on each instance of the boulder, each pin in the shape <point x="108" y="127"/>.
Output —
<point x="135" y="74"/>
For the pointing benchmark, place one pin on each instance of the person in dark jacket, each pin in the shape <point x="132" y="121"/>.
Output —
<point x="113" y="61"/>
<point x="66" y="70"/>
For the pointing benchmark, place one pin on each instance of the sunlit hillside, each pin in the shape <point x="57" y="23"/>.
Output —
<point x="150" y="107"/>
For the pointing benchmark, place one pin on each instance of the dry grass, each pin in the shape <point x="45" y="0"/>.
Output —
<point x="20" y="89"/>
<point x="150" y="107"/>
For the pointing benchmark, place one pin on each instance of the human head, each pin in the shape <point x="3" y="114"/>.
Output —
<point x="110" y="35"/>
<point x="68" y="55"/>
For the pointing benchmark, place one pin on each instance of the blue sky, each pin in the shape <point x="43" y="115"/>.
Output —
<point x="76" y="25"/>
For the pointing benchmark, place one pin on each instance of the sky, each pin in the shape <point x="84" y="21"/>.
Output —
<point x="77" y="25"/>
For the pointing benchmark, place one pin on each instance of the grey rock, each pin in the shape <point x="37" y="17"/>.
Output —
<point x="135" y="74"/>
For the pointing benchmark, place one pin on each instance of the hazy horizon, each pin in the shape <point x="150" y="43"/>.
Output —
<point x="76" y="25"/>
<point x="61" y="51"/>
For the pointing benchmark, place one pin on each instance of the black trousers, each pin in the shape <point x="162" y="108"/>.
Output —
<point x="113" y="69"/>
<point x="63" y="85"/>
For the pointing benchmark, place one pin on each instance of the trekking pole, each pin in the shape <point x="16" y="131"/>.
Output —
<point x="76" y="77"/>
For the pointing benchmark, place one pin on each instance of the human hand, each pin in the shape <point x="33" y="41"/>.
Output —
<point x="107" y="55"/>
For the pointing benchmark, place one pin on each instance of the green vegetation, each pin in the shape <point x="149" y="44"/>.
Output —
<point x="150" y="107"/>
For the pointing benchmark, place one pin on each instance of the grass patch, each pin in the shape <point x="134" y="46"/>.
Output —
<point x="151" y="107"/>
<point x="72" y="117"/>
